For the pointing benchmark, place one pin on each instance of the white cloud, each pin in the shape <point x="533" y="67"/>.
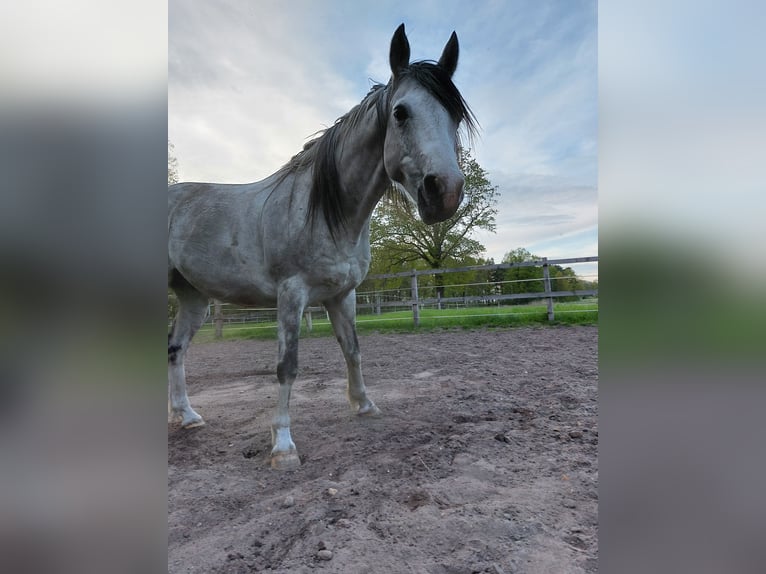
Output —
<point x="549" y="215"/>
<point x="242" y="100"/>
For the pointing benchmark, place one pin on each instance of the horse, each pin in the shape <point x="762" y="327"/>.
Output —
<point x="302" y="235"/>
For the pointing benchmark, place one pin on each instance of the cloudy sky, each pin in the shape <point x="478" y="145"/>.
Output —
<point x="250" y="81"/>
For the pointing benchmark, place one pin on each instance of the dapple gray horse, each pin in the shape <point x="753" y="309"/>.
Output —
<point x="301" y="236"/>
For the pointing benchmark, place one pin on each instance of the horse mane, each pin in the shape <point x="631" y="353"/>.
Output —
<point x="439" y="84"/>
<point x="319" y="154"/>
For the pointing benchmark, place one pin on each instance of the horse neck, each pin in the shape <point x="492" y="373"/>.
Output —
<point x="362" y="174"/>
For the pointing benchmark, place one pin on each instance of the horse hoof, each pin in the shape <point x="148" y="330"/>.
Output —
<point x="369" y="411"/>
<point x="193" y="424"/>
<point x="285" y="460"/>
<point x="186" y="420"/>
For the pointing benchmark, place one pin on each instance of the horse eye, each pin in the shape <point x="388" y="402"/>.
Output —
<point x="400" y="113"/>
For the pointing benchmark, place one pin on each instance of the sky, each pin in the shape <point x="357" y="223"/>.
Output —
<point x="250" y="82"/>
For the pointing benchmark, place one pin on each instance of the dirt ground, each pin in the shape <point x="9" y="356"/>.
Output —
<point x="484" y="459"/>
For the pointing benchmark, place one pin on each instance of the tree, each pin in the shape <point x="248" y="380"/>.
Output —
<point x="399" y="238"/>
<point x="522" y="279"/>
<point x="530" y="279"/>
<point x="172" y="165"/>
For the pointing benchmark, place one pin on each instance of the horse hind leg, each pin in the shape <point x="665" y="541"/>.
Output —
<point x="192" y="312"/>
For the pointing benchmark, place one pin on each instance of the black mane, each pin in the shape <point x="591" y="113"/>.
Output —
<point x="319" y="154"/>
<point x="439" y="84"/>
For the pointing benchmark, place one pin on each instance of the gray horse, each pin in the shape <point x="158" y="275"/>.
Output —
<point x="301" y="236"/>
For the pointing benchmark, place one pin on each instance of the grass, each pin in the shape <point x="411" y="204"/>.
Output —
<point x="430" y="319"/>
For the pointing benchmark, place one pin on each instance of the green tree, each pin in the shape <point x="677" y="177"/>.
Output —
<point x="530" y="279"/>
<point x="172" y="165"/>
<point x="400" y="240"/>
<point x="522" y="279"/>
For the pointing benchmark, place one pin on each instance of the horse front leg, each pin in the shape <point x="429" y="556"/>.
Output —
<point x="290" y="305"/>
<point x="343" y="318"/>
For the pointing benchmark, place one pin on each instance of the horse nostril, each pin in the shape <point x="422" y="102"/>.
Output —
<point x="432" y="185"/>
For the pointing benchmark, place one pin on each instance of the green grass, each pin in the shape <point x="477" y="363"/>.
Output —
<point x="430" y="319"/>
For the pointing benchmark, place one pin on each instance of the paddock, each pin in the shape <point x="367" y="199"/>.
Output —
<point x="484" y="458"/>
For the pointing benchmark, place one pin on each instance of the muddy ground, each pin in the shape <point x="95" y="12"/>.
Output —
<point x="484" y="460"/>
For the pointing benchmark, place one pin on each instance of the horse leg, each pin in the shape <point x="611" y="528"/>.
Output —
<point x="290" y="304"/>
<point x="343" y="317"/>
<point x="192" y="311"/>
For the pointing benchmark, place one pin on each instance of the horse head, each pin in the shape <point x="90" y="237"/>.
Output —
<point x="421" y="143"/>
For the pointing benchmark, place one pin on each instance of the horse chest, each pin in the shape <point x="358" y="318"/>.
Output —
<point x="337" y="278"/>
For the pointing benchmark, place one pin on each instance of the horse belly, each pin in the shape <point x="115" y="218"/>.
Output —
<point x="232" y="285"/>
<point x="222" y="271"/>
<point x="219" y="253"/>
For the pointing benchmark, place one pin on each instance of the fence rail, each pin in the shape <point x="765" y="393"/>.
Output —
<point x="373" y="301"/>
<point x="548" y="293"/>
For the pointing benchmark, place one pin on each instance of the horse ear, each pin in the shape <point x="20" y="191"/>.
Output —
<point x="399" y="57"/>
<point x="448" y="60"/>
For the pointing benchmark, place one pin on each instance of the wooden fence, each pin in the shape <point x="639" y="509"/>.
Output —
<point x="416" y="302"/>
<point x="548" y="294"/>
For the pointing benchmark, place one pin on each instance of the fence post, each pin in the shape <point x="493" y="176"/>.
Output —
<point x="377" y="303"/>
<point x="218" y="318"/>
<point x="309" y="320"/>
<point x="415" y="303"/>
<point x="547" y="284"/>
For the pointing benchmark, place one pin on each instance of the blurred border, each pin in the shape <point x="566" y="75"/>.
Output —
<point x="681" y="114"/>
<point x="83" y="136"/>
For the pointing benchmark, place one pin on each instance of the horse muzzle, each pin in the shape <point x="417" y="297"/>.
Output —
<point x="439" y="197"/>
